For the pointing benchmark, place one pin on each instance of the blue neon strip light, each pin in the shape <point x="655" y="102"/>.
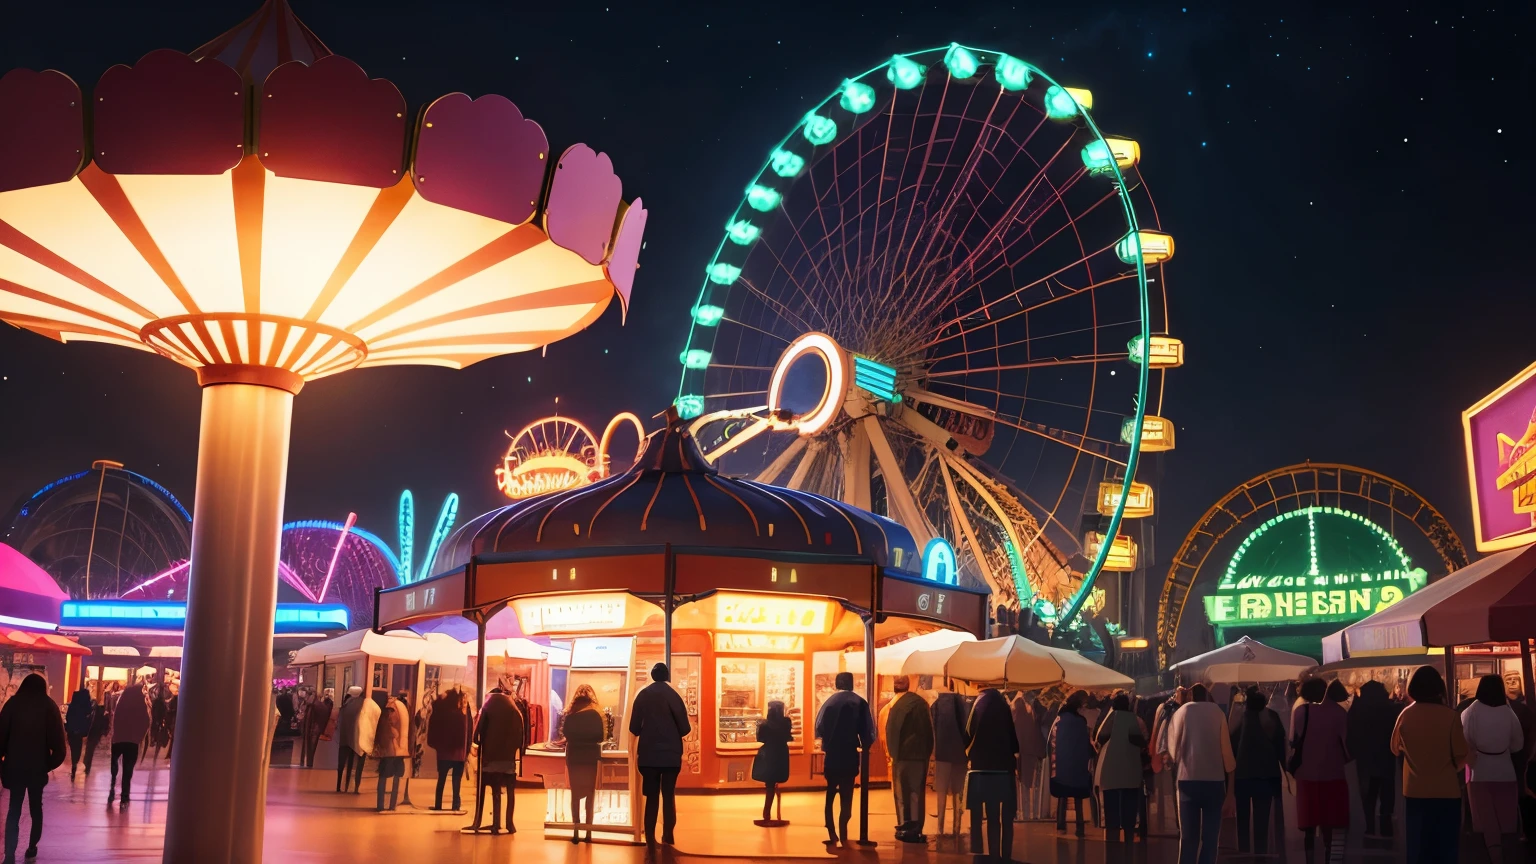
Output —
<point x="877" y="379"/>
<point x="139" y="477"/>
<point x="172" y="616"/>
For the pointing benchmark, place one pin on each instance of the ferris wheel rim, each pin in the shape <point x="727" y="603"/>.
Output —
<point x="1139" y="412"/>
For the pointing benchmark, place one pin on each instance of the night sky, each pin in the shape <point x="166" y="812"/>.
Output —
<point x="1348" y="186"/>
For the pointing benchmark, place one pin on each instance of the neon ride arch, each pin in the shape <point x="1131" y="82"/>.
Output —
<point x="1308" y="547"/>
<point x="942" y="298"/>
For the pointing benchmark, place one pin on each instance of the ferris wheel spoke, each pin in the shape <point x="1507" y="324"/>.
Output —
<point x="797" y="480"/>
<point x="1034" y="364"/>
<point x="780" y="462"/>
<point x="940" y="335"/>
<point x="855" y="451"/>
<point x="779" y="308"/>
<point x="967" y="473"/>
<point x="899" y="495"/>
<point x="740" y="438"/>
<point x="964" y="529"/>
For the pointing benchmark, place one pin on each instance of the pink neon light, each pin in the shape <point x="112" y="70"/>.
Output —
<point x="156" y="578"/>
<point x="336" y="556"/>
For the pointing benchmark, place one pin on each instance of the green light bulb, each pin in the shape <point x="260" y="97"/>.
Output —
<point x="1059" y="104"/>
<point x="785" y="163"/>
<point x="742" y="232"/>
<point x="819" y="130"/>
<point x="761" y="198"/>
<point x="707" y="316"/>
<point x="1012" y="73"/>
<point x="722" y="273"/>
<point x="961" y="62"/>
<point x="689" y="407"/>
<point x="695" y="358"/>
<point x="1097" y="157"/>
<point x="857" y="97"/>
<point x="904" y="73"/>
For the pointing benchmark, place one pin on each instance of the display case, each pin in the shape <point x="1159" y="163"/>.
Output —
<point x="744" y="686"/>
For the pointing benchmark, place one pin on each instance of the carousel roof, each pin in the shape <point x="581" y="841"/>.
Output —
<point x="672" y="495"/>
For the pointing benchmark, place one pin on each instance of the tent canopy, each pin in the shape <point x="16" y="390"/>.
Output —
<point x="400" y="646"/>
<point x="1491" y="600"/>
<point x="1014" y="661"/>
<point x="28" y="595"/>
<point x="1245" y="661"/>
<point x="890" y="659"/>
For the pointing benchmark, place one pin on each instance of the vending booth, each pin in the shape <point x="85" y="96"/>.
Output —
<point x="751" y="594"/>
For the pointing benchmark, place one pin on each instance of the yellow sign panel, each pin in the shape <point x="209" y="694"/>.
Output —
<point x="770" y="614"/>
<point x="758" y="643"/>
<point x="583" y="613"/>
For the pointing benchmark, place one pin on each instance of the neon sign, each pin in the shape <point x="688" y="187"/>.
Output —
<point x="770" y="614"/>
<point x="586" y="613"/>
<point x="555" y="453"/>
<point x="1291" y="570"/>
<point x="446" y="516"/>
<point x="939" y="563"/>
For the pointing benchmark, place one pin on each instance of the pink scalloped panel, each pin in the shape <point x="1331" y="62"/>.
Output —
<point x="42" y="129"/>
<point x="169" y="114"/>
<point x="625" y="259"/>
<point x="583" y="203"/>
<point x="481" y="156"/>
<point x="330" y="122"/>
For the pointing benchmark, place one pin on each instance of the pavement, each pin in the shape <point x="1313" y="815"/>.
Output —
<point x="308" y="822"/>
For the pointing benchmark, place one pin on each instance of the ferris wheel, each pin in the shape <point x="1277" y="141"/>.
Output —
<point x="942" y="298"/>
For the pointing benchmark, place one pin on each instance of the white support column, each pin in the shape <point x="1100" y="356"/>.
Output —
<point x="898" y="495"/>
<point x="217" y="799"/>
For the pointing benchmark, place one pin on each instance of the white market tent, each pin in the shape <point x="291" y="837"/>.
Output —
<point x="1245" y="661"/>
<point x="398" y="646"/>
<point x="1013" y="661"/>
<point x="890" y="659"/>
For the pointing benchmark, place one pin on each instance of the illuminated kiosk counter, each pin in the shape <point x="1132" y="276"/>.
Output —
<point x="747" y="590"/>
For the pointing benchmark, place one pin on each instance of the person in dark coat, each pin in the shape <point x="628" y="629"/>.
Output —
<point x="31" y="745"/>
<point x="659" y="719"/>
<point x="1071" y="754"/>
<point x="448" y="733"/>
<point x="948" y="713"/>
<point x="1368" y="737"/>
<point x="771" y="764"/>
<point x="990" y="787"/>
<point x="500" y="735"/>
<point x="845" y="726"/>
<point x="77" y="726"/>
<point x="1258" y="745"/>
<point x="909" y="743"/>
<point x="584" y="730"/>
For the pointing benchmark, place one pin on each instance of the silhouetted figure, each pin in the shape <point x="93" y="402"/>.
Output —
<point x="1369" y="736"/>
<point x="1258" y="744"/>
<point x="659" y="719"/>
<point x="130" y="723"/>
<point x="499" y="734"/>
<point x="585" y="730"/>
<point x="845" y="726"/>
<point x="448" y="733"/>
<point x="1071" y="754"/>
<point x="31" y="745"/>
<point x="909" y="742"/>
<point x="990" y="787"/>
<point x="771" y="764"/>
<point x="77" y="727"/>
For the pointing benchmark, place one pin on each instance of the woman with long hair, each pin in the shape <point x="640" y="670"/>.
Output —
<point x="1319" y="728"/>
<point x="1071" y="753"/>
<point x="1493" y="734"/>
<point x="584" y="731"/>
<point x="1430" y="739"/>
<point x="771" y="764"/>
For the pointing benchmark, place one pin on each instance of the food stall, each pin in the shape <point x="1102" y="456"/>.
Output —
<point x="750" y="592"/>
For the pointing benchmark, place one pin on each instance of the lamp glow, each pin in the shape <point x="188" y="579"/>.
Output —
<point x="905" y="73"/>
<point x="742" y="232"/>
<point x="960" y="61"/>
<point x="695" y="358"/>
<point x="819" y="129"/>
<point x="786" y="164"/>
<point x="857" y="98"/>
<point x="407" y="529"/>
<point x="824" y="347"/>
<point x="761" y="198"/>
<point x="1012" y="73"/>
<point x="705" y="315"/>
<point x="722" y="273"/>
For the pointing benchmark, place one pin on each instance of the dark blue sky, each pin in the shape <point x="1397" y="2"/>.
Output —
<point x="1349" y="187"/>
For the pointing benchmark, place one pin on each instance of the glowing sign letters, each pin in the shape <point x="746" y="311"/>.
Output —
<point x="939" y="562"/>
<point x="770" y="614"/>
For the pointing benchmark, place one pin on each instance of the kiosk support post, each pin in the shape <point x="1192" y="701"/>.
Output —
<point x="1525" y="671"/>
<point x="479" y="660"/>
<point x="871" y="690"/>
<point x="668" y="603"/>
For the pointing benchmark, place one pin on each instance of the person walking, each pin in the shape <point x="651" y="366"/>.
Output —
<point x="1071" y="753"/>
<point x="1369" y="738"/>
<point x="356" y="728"/>
<point x="1121" y="741"/>
<point x="1164" y="776"/>
<point x="101" y="724"/>
<point x="990" y="787"/>
<point x="659" y="719"/>
<point x="909" y="743"/>
<point x="1200" y="747"/>
<point x="1319" y="752"/>
<point x="1429" y="737"/>
<point x="130" y="723"/>
<point x="448" y="733"/>
<point x="1494" y="738"/>
<point x="1026" y="725"/>
<point x="77" y="726"/>
<point x="499" y="733"/>
<point x="948" y="715"/>
<point x="1258" y="745"/>
<point x="845" y="727"/>
<point x="31" y="745"/>
<point x="584" y="730"/>
<point x="771" y="764"/>
<point x="391" y="746"/>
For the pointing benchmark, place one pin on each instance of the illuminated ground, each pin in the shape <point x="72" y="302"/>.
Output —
<point x="306" y="822"/>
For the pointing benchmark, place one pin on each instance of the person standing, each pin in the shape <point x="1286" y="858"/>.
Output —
<point x="359" y="722"/>
<point x="1258" y="744"/>
<point x="1429" y="737"/>
<point x="948" y="714"/>
<point x="659" y="719"/>
<point x="317" y="716"/>
<point x="845" y="726"/>
<point x="130" y="723"/>
<point x="1031" y="750"/>
<point x="1319" y="727"/>
<point x="499" y="734"/>
<point x="1071" y="753"/>
<point x="390" y="746"/>
<point x="771" y="764"/>
<point x="584" y="731"/>
<point x="990" y="787"/>
<point x="77" y="725"/>
<point x="909" y="742"/>
<point x="1121" y="740"/>
<point x="1494" y="738"/>
<point x="1200" y="746"/>
<point x="101" y="724"/>
<point x="1369" y="737"/>
<point x="31" y="745"/>
<point x="448" y="733"/>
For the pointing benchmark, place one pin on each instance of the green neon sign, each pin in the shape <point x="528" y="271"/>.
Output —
<point x="1313" y="565"/>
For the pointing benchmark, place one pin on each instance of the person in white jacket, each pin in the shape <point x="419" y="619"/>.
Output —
<point x="1493" y="734"/>
<point x="358" y="723"/>
<point x="1199" y="744"/>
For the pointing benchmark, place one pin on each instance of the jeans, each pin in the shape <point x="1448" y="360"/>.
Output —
<point x="1372" y="791"/>
<point x="34" y="794"/>
<point x="839" y="787"/>
<point x="1434" y="830"/>
<point x="128" y="751"/>
<point x="1122" y="807"/>
<point x="659" y="785"/>
<point x="1254" y="796"/>
<point x="444" y="767"/>
<point x="909" y="780"/>
<point x="1200" y="819"/>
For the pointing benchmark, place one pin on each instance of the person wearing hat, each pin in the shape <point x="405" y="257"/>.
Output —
<point x="659" y="721"/>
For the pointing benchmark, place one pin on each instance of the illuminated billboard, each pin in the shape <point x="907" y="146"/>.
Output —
<point x="1313" y="565"/>
<point x="1500" y="435"/>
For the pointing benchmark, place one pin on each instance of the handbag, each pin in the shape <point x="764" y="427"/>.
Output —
<point x="1293" y="764"/>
